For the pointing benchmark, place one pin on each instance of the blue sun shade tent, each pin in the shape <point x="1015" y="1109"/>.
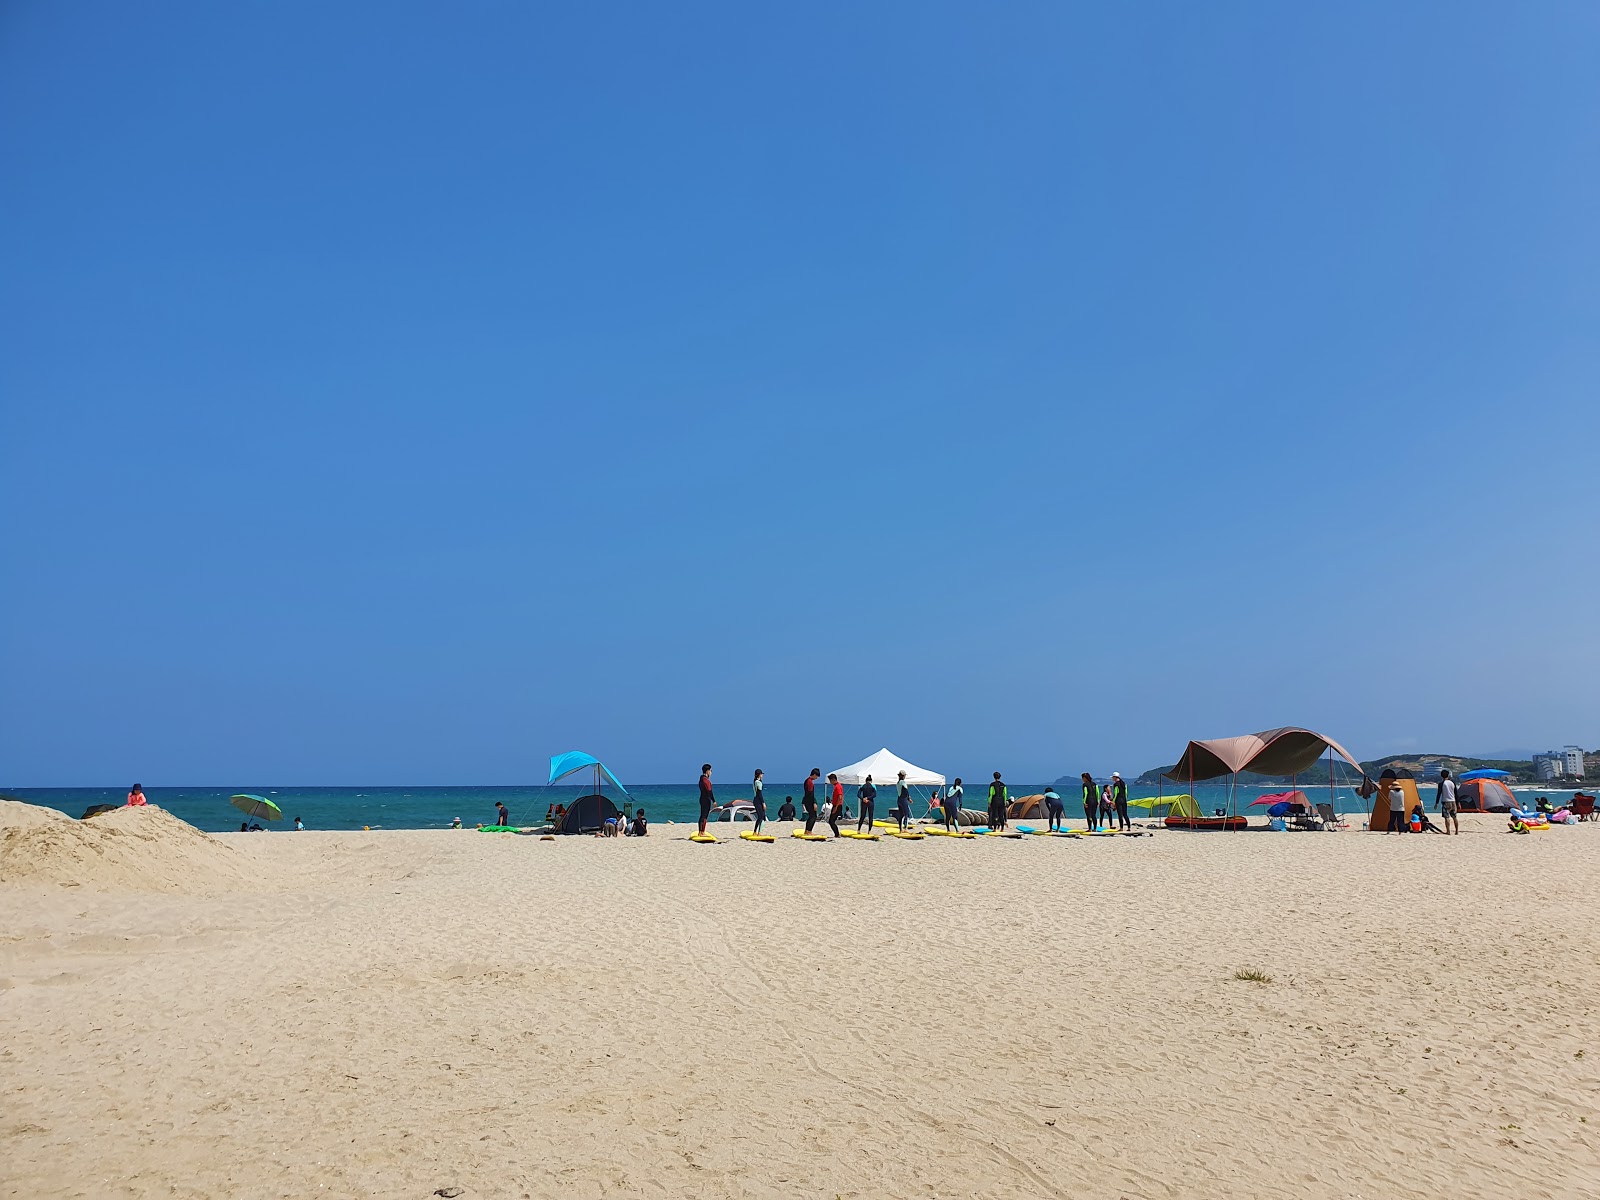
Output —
<point x="573" y="761"/>
<point x="1480" y="773"/>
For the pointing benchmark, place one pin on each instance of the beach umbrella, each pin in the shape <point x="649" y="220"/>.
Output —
<point x="1482" y="773"/>
<point x="258" y="807"/>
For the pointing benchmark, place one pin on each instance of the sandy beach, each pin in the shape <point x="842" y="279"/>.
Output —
<point x="393" y="1013"/>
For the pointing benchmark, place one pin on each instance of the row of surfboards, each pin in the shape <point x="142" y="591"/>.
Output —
<point x="916" y="835"/>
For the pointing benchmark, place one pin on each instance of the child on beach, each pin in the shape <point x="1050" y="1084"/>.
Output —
<point x="136" y="797"/>
<point x="640" y="826"/>
<point x="1108" y="809"/>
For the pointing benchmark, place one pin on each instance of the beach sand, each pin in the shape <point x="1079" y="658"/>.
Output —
<point x="391" y="1013"/>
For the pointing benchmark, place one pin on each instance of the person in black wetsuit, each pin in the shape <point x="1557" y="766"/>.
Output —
<point x="707" y="796"/>
<point x="1091" y="803"/>
<point x="808" y="798"/>
<point x="997" y="803"/>
<point x="502" y="817"/>
<point x="902" y="804"/>
<point x="952" y="804"/>
<point x="758" y="797"/>
<point x="1053" y="807"/>
<point x="866" y="794"/>
<point x="786" y="812"/>
<point x="1119" y="798"/>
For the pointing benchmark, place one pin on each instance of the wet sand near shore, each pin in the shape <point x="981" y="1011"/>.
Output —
<point x="392" y="1013"/>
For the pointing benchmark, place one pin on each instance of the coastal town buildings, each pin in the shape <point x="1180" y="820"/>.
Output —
<point x="1556" y="764"/>
<point x="1572" y="761"/>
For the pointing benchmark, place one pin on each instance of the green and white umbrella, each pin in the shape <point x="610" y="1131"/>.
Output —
<point x="258" y="807"/>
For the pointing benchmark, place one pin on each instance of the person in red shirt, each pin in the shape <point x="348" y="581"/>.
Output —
<point x="707" y="797"/>
<point x="136" y="797"/>
<point x="836" y="805"/>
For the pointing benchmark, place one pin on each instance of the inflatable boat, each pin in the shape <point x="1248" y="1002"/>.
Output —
<point x="1206" y="823"/>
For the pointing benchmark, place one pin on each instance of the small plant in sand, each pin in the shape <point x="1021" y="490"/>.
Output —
<point x="1251" y="975"/>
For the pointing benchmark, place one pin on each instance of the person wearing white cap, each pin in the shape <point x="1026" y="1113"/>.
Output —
<point x="1119" y="795"/>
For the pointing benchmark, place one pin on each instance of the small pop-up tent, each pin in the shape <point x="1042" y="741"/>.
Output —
<point x="1485" y="795"/>
<point x="1378" y="822"/>
<point x="588" y="814"/>
<point x="885" y="768"/>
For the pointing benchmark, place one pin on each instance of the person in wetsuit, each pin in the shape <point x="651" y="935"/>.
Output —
<point x="952" y="804"/>
<point x="835" y="803"/>
<point x="808" y="798"/>
<point x="1091" y="803"/>
<point x="866" y="794"/>
<point x="902" y="807"/>
<point x="1119" y="798"/>
<point x="707" y="796"/>
<point x="997" y="803"/>
<point x="1053" y="807"/>
<point x="786" y="811"/>
<point x="758" y="797"/>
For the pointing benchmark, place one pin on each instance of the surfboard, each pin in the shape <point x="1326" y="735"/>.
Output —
<point x="751" y="835"/>
<point x="910" y="837"/>
<point x="1005" y="833"/>
<point x="958" y="833"/>
<point x="701" y="837"/>
<point x="809" y="837"/>
<point x="858" y="835"/>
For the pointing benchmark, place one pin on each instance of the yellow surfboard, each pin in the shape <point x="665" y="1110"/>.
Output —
<point x="701" y="837"/>
<point x="751" y="835"/>
<point x="809" y="837"/>
<point x="910" y="837"/>
<point x="858" y="835"/>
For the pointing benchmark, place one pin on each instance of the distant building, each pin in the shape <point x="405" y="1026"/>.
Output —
<point x="1572" y="761"/>
<point x="1549" y="766"/>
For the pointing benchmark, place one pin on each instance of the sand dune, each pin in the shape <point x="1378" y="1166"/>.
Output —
<point x="391" y="1013"/>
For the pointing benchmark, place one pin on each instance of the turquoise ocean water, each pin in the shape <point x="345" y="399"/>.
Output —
<point x="434" y="807"/>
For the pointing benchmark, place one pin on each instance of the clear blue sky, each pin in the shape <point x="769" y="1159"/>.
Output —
<point x="405" y="393"/>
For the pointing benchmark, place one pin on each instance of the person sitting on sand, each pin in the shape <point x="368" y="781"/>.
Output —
<point x="952" y="804"/>
<point x="866" y="794"/>
<point x="640" y="826"/>
<point x="1054" y="808"/>
<point x="902" y="805"/>
<point x="299" y="824"/>
<point x="136" y="797"/>
<point x="244" y="826"/>
<point x="786" y="811"/>
<point x="561" y="815"/>
<point x="502" y="814"/>
<point x="455" y="822"/>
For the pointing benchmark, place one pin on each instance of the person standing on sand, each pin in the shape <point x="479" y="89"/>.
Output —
<point x="1107" y="809"/>
<point x="952" y="804"/>
<point x="808" y="798"/>
<point x="866" y="794"/>
<point x="1397" y="808"/>
<point x="758" y="797"/>
<point x="997" y="803"/>
<point x="902" y="807"/>
<point x="707" y="796"/>
<point x="1053" y="808"/>
<point x="1119" y="799"/>
<point x="1447" y="802"/>
<point x="835" y="803"/>
<point x="502" y="816"/>
<point x="1091" y="803"/>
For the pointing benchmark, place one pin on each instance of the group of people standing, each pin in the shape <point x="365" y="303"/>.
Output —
<point x="1103" y="807"/>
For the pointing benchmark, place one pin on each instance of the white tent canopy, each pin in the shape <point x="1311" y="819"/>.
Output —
<point x="885" y="768"/>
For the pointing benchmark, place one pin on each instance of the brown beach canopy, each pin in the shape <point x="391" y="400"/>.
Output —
<point x="1286" y="751"/>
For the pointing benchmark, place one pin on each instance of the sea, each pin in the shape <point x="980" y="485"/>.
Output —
<point x="208" y="808"/>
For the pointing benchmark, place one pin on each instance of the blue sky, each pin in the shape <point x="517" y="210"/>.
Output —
<point x="405" y="393"/>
